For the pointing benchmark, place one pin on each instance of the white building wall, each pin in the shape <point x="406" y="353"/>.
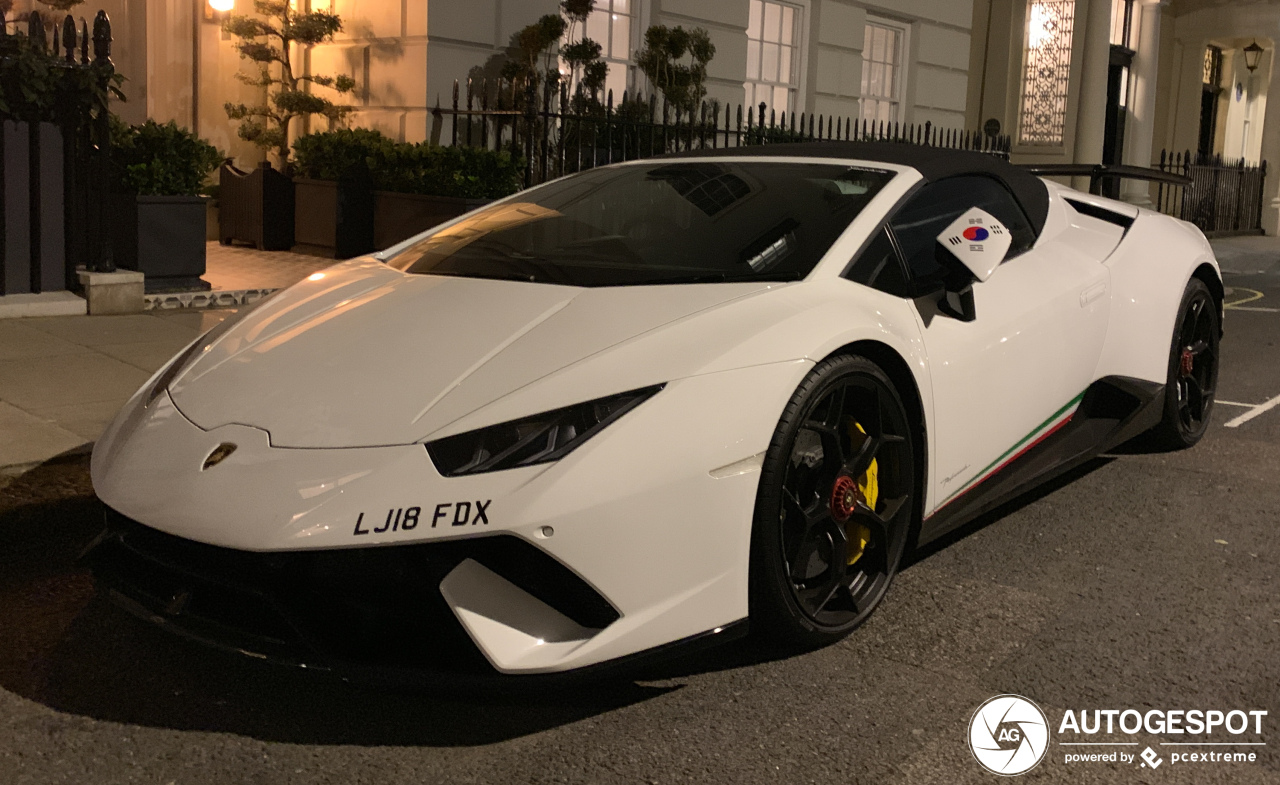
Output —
<point x="938" y="61"/>
<point x="837" y="59"/>
<point x="405" y="56"/>
<point x="726" y="22"/>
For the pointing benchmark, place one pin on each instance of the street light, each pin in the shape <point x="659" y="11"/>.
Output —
<point x="1252" y="54"/>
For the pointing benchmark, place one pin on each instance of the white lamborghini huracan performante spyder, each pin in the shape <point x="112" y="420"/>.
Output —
<point x="646" y="404"/>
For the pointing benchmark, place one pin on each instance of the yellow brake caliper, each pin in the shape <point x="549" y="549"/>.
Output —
<point x="869" y="487"/>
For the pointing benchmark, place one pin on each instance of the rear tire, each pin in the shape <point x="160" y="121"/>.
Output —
<point x="1192" y="370"/>
<point x="834" y="507"/>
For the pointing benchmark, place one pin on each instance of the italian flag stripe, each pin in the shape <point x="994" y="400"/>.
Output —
<point x="1037" y="435"/>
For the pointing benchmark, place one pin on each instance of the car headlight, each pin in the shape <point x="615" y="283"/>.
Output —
<point x="541" y="438"/>
<point x="189" y="356"/>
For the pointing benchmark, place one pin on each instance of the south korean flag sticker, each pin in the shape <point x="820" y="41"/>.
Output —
<point x="977" y="239"/>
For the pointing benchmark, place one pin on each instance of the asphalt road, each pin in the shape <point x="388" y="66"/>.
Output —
<point x="1142" y="581"/>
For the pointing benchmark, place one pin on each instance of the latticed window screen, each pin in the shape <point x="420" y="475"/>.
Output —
<point x="1047" y="73"/>
<point x="1212" y="66"/>
<point x="882" y="71"/>
<point x="773" y="49"/>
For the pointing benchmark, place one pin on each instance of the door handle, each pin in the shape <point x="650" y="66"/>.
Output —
<point x="1092" y="293"/>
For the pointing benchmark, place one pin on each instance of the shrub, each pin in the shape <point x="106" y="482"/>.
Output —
<point x="329" y="155"/>
<point x="422" y="168"/>
<point x="36" y="85"/>
<point x="160" y="160"/>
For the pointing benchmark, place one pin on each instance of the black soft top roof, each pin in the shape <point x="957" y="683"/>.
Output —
<point x="934" y="163"/>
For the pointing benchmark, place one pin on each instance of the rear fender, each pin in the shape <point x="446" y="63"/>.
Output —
<point x="1149" y="273"/>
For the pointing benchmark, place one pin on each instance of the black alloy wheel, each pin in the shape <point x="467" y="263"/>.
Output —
<point x="835" y="504"/>
<point x="1193" y="369"/>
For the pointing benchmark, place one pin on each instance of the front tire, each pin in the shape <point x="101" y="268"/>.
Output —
<point x="1192" y="370"/>
<point x="834" y="507"/>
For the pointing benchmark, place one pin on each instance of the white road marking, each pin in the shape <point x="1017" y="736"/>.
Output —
<point x="1233" y="403"/>
<point x="1259" y="309"/>
<point x="1254" y="412"/>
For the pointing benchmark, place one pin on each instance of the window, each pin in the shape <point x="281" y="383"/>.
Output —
<point x="1046" y="72"/>
<point x="773" y="55"/>
<point x="931" y="210"/>
<point x="883" y="45"/>
<point x="613" y="24"/>
<point x="1124" y="23"/>
<point x="660" y="222"/>
<point x="878" y="267"/>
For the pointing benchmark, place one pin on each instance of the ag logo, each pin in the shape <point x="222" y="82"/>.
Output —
<point x="1009" y="735"/>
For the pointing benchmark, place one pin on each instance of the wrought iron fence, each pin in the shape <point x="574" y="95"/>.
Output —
<point x="1223" y="197"/>
<point x="557" y="133"/>
<point x="53" y="220"/>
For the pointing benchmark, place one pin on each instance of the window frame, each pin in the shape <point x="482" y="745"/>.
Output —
<point x="799" y="46"/>
<point x="898" y="102"/>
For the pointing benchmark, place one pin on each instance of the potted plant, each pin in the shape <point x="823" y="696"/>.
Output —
<point x="159" y="226"/>
<point x="333" y="190"/>
<point x="428" y="184"/>
<point x="358" y="190"/>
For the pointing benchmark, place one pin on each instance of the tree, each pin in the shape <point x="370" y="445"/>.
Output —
<point x="537" y="43"/>
<point x="583" y="55"/>
<point x="268" y="42"/>
<point x="531" y="44"/>
<point x="661" y="59"/>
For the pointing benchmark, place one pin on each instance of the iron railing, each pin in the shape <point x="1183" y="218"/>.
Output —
<point x="556" y="133"/>
<point x="80" y="149"/>
<point x="1221" y="197"/>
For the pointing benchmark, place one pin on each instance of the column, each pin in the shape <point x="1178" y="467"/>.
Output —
<point x="1270" y="149"/>
<point x="1091" y="117"/>
<point x="1140" y="126"/>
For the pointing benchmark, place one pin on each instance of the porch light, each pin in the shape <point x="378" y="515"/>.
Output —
<point x="1252" y="54"/>
<point x="222" y="6"/>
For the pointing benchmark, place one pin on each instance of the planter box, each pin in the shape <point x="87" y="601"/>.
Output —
<point x="255" y="207"/>
<point x="334" y="218"/>
<point x="398" y="217"/>
<point x="342" y="219"/>
<point x="34" y="252"/>
<point x="163" y="238"/>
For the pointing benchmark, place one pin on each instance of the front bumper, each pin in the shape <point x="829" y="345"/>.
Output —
<point x="373" y="610"/>
<point x="647" y="525"/>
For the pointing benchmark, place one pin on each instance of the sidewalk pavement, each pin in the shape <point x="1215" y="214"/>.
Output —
<point x="62" y="379"/>
<point x="236" y="267"/>
<point x="1249" y="255"/>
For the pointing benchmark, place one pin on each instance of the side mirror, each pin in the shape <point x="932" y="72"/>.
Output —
<point x="973" y="246"/>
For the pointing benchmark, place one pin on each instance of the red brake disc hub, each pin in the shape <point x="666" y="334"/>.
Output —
<point x="844" y="497"/>
<point x="1186" y="362"/>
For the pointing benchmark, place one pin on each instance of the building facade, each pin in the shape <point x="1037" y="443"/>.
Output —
<point x="892" y="60"/>
<point x="1120" y="81"/>
<point x="1071" y="81"/>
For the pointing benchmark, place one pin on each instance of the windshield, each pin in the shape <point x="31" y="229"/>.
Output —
<point x="664" y="222"/>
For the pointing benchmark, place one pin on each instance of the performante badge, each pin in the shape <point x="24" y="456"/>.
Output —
<point x="218" y="455"/>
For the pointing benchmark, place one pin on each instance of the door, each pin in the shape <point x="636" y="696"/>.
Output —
<point x="1010" y="376"/>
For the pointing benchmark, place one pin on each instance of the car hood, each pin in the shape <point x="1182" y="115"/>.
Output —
<point x="365" y="355"/>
